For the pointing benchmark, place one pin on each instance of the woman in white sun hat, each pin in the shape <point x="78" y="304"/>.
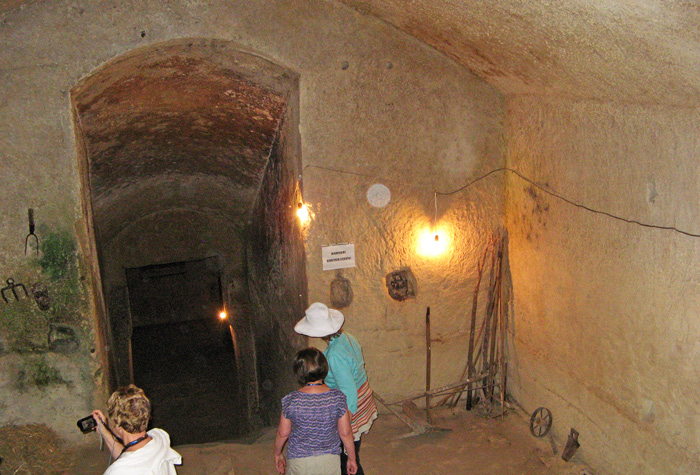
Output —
<point x="346" y="369"/>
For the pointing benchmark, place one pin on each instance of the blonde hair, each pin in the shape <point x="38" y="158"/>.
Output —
<point x="130" y="409"/>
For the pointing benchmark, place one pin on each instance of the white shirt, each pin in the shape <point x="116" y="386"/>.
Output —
<point x="154" y="458"/>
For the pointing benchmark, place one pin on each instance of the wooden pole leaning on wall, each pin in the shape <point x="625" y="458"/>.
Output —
<point x="471" y="369"/>
<point x="486" y="349"/>
<point x="428" y="415"/>
<point x="491" y="304"/>
<point x="505" y="306"/>
<point x="495" y="318"/>
<point x="487" y="346"/>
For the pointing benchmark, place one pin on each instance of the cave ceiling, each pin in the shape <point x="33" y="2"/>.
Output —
<point x="639" y="51"/>
<point x="633" y="51"/>
<point x="171" y="128"/>
<point x="200" y="130"/>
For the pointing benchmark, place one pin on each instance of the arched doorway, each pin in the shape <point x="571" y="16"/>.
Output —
<point x="189" y="152"/>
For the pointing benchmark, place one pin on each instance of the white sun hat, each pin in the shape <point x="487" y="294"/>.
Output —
<point x="320" y="321"/>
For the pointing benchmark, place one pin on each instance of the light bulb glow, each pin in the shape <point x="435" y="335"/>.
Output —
<point x="433" y="242"/>
<point x="303" y="213"/>
<point x="223" y="315"/>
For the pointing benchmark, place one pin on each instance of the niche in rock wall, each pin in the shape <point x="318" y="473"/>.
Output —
<point x="401" y="284"/>
<point x="341" y="292"/>
<point x="62" y="338"/>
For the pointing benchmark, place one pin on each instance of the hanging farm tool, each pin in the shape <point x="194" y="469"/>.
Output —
<point x="30" y="216"/>
<point x="12" y="288"/>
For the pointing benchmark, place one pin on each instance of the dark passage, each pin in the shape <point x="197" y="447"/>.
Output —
<point x="182" y="354"/>
<point x="188" y="371"/>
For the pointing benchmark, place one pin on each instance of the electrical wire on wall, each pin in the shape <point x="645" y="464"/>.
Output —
<point x="542" y="188"/>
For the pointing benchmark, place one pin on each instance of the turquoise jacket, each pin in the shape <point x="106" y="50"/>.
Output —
<point x="346" y="367"/>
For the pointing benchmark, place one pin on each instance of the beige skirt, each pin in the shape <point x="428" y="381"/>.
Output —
<point x="328" y="464"/>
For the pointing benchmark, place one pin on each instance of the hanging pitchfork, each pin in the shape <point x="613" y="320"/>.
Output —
<point x="30" y="215"/>
<point x="12" y="287"/>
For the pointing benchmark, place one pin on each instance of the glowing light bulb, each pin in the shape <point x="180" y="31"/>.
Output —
<point x="223" y="315"/>
<point x="433" y="242"/>
<point x="303" y="213"/>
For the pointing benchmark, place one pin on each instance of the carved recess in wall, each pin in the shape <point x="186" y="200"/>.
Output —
<point x="41" y="295"/>
<point x="341" y="292"/>
<point x="62" y="338"/>
<point x="401" y="284"/>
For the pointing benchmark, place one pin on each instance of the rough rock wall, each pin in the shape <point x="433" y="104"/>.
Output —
<point x="606" y="332"/>
<point x="276" y="272"/>
<point x="429" y="143"/>
<point x="48" y="369"/>
<point x="373" y="102"/>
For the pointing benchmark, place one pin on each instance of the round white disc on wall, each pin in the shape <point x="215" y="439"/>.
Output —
<point x="378" y="195"/>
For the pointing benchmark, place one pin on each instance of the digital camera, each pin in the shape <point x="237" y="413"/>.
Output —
<point x="87" y="424"/>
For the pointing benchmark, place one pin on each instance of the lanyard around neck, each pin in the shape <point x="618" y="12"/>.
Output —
<point x="132" y="443"/>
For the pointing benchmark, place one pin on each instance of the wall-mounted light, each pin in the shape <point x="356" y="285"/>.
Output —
<point x="223" y="315"/>
<point x="433" y="241"/>
<point x="303" y="213"/>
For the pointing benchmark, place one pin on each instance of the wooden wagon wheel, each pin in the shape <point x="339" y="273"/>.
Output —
<point x="540" y="422"/>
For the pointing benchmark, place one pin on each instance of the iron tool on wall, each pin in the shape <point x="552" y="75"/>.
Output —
<point x="30" y="216"/>
<point x="572" y="445"/>
<point x="12" y="287"/>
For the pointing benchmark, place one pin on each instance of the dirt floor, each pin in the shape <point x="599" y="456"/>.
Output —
<point x="474" y="446"/>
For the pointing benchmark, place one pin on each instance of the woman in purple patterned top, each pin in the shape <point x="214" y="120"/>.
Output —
<point x="315" y="419"/>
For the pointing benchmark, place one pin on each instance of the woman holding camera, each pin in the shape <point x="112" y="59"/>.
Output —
<point x="135" y="450"/>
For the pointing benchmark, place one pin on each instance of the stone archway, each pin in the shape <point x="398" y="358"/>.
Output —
<point x="178" y="142"/>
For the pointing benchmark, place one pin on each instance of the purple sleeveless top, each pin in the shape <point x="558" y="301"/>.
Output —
<point x="314" y="422"/>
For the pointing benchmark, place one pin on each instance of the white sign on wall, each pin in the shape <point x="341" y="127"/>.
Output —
<point x="338" y="256"/>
